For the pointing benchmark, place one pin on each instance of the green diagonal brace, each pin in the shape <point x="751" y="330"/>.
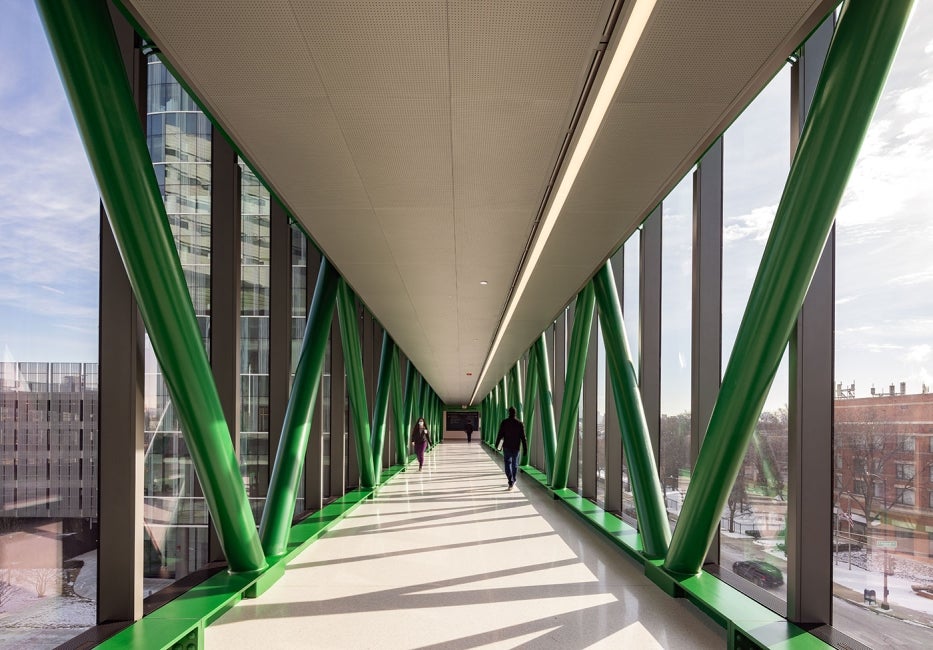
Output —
<point x="531" y="387"/>
<point x="428" y="411"/>
<point x="289" y="458"/>
<point x="416" y="405"/>
<point x="381" y="402"/>
<point x="851" y="82"/>
<point x="573" y="386"/>
<point x="546" y="403"/>
<point x="515" y="389"/>
<point x="82" y="40"/>
<point x="636" y="442"/>
<point x="410" y="381"/>
<point x="353" y="358"/>
<point x="398" y="409"/>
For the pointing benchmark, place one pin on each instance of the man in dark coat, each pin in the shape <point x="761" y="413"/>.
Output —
<point x="512" y="437"/>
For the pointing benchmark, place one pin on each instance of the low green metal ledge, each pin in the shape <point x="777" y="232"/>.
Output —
<point x="180" y="624"/>
<point x="748" y="624"/>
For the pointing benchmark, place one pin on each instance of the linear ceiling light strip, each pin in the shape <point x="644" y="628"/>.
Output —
<point x="618" y="64"/>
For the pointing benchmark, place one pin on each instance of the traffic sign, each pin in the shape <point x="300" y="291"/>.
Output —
<point x="886" y="543"/>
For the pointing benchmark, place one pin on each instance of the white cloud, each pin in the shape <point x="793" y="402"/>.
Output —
<point x="918" y="353"/>
<point x="754" y="226"/>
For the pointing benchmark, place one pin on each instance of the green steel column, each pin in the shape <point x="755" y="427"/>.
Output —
<point x="491" y="417"/>
<point x="573" y="386"/>
<point x="353" y="358"/>
<point x="501" y="410"/>
<point x="546" y="403"/>
<point x="84" y="45"/>
<point x="531" y="386"/>
<point x="417" y="409"/>
<point x="289" y="459"/>
<point x="515" y="392"/>
<point x="424" y="401"/>
<point x="398" y="409"/>
<point x="636" y="442"/>
<point x="410" y="381"/>
<point x="381" y="402"/>
<point x="850" y="85"/>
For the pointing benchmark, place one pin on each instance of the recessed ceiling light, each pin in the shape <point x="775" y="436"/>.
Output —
<point x="483" y="282"/>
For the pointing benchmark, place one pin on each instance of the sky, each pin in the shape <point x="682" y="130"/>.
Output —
<point x="49" y="211"/>
<point x="884" y="277"/>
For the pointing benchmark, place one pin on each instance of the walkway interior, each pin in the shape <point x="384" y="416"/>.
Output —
<point x="449" y="558"/>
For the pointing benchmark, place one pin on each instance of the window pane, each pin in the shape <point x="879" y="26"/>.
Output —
<point x="175" y="515"/>
<point x="631" y="314"/>
<point x="254" y="338"/>
<point x="48" y="334"/>
<point x="755" y="165"/>
<point x="676" y="313"/>
<point x="884" y="408"/>
<point x="600" y="417"/>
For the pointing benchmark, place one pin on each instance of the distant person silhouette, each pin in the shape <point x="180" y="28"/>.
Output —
<point x="512" y="437"/>
<point x="419" y="438"/>
<point x="469" y="431"/>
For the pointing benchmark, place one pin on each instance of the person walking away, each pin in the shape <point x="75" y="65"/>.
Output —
<point x="469" y="431"/>
<point x="419" y="438"/>
<point x="512" y="437"/>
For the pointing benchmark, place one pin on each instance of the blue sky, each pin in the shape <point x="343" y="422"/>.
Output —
<point x="48" y="205"/>
<point x="884" y="295"/>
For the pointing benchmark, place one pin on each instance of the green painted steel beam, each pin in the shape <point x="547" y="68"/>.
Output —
<point x="531" y="387"/>
<point x="353" y="359"/>
<point x="636" y="440"/>
<point x="410" y="381"/>
<point x="573" y="386"/>
<point x="82" y="40"/>
<point x="417" y="408"/>
<point x="289" y="458"/>
<point x="381" y="402"/>
<point x="423" y="401"/>
<point x="853" y="77"/>
<point x="398" y="409"/>
<point x="546" y="404"/>
<point x="515" y="390"/>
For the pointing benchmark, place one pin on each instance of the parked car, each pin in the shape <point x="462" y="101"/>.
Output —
<point x="763" y="574"/>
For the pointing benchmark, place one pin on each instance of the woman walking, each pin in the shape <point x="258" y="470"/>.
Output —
<point x="419" y="438"/>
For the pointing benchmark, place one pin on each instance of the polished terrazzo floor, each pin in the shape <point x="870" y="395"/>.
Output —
<point x="448" y="558"/>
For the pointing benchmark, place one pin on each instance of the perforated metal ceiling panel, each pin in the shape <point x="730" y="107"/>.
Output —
<point x="415" y="139"/>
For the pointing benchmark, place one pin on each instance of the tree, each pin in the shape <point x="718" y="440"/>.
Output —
<point x="42" y="579"/>
<point x="738" y="499"/>
<point x="7" y="590"/>
<point x="868" y="447"/>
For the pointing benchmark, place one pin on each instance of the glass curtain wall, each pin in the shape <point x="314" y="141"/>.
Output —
<point x="254" y="338"/>
<point x="883" y="408"/>
<point x="175" y="516"/>
<point x="600" y="415"/>
<point x="756" y="161"/>
<point x="631" y="313"/>
<point x="676" y="315"/>
<point x="299" y="317"/>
